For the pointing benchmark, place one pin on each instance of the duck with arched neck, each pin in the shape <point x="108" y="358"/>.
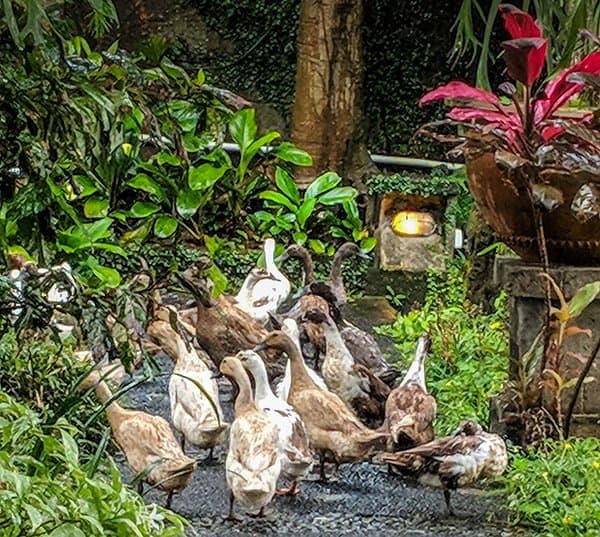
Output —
<point x="296" y="459"/>
<point x="409" y="409"/>
<point x="265" y="289"/>
<point x="333" y="430"/>
<point x="147" y="442"/>
<point x="253" y="463"/>
<point x="336" y="280"/>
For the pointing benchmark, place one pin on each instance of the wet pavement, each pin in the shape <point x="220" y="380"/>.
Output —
<point x="363" y="500"/>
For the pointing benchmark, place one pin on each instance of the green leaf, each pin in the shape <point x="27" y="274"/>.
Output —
<point x="188" y="202"/>
<point x="144" y="182"/>
<point x="70" y="448"/>
<point x="287" y="185"/>
<point x="290" y="153"/>
<point x="142" y="209"/>
<point x="218" y="278"/>
<point x="168" y="158"/>
<point x="113" y="248"/>
<point x="264" y="216"/>
<point x="300" y="237"/>
<point x="338" y="195"/>
<point x="108" y="277"/>
<point x="137" y="234"/>
<point x="242" y="128"/>
<point x="278" y="198"/>
<point x="305" y="211"/>
<point x="316" y="246"/>
<point x="86" y="185"/>
<point x="100" y="229"/>
<point x="95" y="207"/>
<point x="165" y="226"/>
<point x="67" y="530"/>
<point x="200" y="77"/>
<point x="321" y="184"/>
<point x="583" y="298"/>
<point x="351" y="209"/>
<point x="368" y="243"/>
<point x="35" y="516"/>
<point x="204" y="176"/>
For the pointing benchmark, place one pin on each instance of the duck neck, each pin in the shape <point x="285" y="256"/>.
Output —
<point x="307" y="266"/>
<point x="262" y="389"/>
<point x="299" y="374"/>
<point x="244" y="400"/>
<point x="336" y="280"/>
<point x="113" y="409"/>
<point x="416" y="371"/>
<point x="269" y="250"/>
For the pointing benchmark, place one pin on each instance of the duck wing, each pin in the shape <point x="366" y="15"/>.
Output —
<point x="409" y="415"/>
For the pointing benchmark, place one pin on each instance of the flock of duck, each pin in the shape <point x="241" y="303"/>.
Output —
<point x="336" y="397"/>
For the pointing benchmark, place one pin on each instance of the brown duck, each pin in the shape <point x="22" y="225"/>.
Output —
<point x="147" y="442"/>
<point x="222" y="329"/>
<point x="409" y="409"/>
<point x="335" y="433"/>
<point x="467" y="456"/>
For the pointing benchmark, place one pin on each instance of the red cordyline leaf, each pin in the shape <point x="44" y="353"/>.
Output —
<point x="518" y="23"/>
<point x="525" y="58"/>
<point x="459" y="90"/>
<point x="560" y="89"/>
<point x="506" y="120"/>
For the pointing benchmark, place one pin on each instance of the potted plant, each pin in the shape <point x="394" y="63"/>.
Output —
<point x="533" y="167"/>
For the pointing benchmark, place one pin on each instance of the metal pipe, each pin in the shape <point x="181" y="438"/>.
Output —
<point x="394" y="160"/>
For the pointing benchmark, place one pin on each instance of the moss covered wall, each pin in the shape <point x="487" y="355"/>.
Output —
<point x="249" y="46"/>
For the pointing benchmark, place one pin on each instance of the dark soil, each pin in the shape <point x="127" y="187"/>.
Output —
<point x="363" y="500"/>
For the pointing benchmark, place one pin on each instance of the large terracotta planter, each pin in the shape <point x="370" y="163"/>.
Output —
<point x="568" y="240"/>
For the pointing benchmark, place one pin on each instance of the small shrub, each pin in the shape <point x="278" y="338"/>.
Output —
<point x="556" y="490"/>
<point x="469" y="358"/>
<point x="47" y="491"/>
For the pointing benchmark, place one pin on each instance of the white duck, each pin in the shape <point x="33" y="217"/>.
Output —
<point x="265" y="289"/>
<point x="193" y="392"/>
<point x="296" y="459"/>
<point x="290" y="328"/>
<point x="253" y="464"/>
<point x="454" y="461"/>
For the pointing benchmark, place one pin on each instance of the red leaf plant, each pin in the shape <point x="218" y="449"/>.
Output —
<point x="533" y="119"/>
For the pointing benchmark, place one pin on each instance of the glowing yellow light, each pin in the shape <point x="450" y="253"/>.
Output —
<point x="413" y="224"/>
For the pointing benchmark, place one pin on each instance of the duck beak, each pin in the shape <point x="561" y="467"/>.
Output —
<point x="260" y="347"/>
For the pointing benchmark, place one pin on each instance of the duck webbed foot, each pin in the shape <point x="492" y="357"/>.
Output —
<point x="292" y="490"/>
<point x="260" y="514"/>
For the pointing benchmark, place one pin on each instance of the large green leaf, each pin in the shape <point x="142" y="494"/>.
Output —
<point x="583" y="298"/>
<point x="142" y="209"/>
<point x="305" y="210"/>
<point x="204" y="176"/>
<point x="164" y="157"/>
<point x="290" y="153"/>
<point x="287" y="185"/>
<point x="242" y="127"/>
<point x="278" y="198"/>
<point x="338" y="195"/>
<point x="66" y="530"/>
<point x="165" y="226"/>
<point x="144" y="182"/>
<point x="316" y="246"/>
<point x="188" y="202"/>
<point x="95" y="207"/>
<point x="94" y="231"/>
<point x="109" y="277"/>
<point x="86" y="185"/>
<point x="321" y="184"/>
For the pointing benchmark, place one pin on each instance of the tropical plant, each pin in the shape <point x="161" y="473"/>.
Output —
<point x="542" y="378"/>
<point x="312" y="216"/>
<point x="554" y="491"/>
<point x="48" y="491"/>
<point x="469" y="357"/>
<point x="561" y="22"/>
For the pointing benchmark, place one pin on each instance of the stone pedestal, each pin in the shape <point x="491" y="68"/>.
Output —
<point x="525" y="288"/>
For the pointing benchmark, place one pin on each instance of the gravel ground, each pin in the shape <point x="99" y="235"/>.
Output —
<point x="363" y="500"/>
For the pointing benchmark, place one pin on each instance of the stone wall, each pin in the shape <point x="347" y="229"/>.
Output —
<point x="525" y="288"/>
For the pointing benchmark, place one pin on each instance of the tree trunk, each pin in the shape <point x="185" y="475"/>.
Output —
<point x="326" y="114"/>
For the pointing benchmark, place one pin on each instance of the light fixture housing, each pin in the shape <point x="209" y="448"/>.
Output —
<point x="410" y="223"/>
